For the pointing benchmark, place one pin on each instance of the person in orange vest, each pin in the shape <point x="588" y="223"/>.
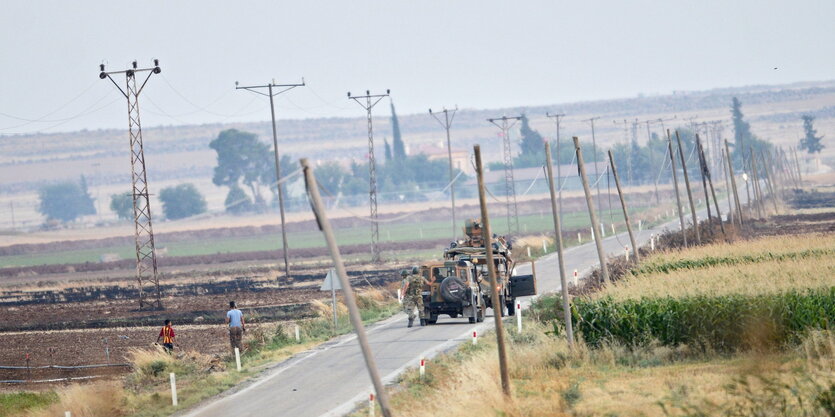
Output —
<point x="167" y="336"/>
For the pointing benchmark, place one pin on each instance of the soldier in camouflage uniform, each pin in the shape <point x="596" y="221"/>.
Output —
<point x="413" y="298"/>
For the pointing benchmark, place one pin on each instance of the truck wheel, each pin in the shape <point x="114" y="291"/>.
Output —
<point x="472" y="319"/>
<point x="433" y="318"/>
<point x="453" y="315"/>
<point x="480" y="316"/>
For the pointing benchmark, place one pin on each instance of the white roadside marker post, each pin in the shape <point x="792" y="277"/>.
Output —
<point x="544" y="247"/>
<point x="237" y="359"/>
<point x="602" y="230"/>
<point x="371" y="405"/>
<point x="173" y="388"/>
<point x="613" y="228"/>
<point x="640" y="225"/>
<point x="399" y="296"/>
<point x="519" y="318"/>
<point x="652" y="242"/>
<point x="579" y="237"/>
<point x="298" y="336"/>
<point x="626" y="251"/>
<point x="67" y="414"/>
<point x="475" y="337"/>
<point x="592" y="233"/>
<point x="422" y="368"/>
<point x="575" y="278"/>
<point x="529" y="251"/>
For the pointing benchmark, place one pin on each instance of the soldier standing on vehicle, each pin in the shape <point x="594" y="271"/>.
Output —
<point x="413" y="297"/>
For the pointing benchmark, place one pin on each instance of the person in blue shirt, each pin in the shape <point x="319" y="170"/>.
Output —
<point x="237" y="326"/>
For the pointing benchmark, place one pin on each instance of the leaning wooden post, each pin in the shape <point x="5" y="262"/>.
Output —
<point x="687" y="186"/>
<point x="706" y="173"/>
<point x="675" y="186"/>
<point x="348" y="292"/>
<point x="595" y="224"/>
<point x="702" y="166"/>
<point x="625" y="211"/>
<point x="733" y="184"/>
<point x="566" y="303"/>
<point x="797" y="166"/>
<point x="731" y="208"/>
<point x="491" y="271"/>
<point x="758" y="197"/>
<point x="770" y="182"/>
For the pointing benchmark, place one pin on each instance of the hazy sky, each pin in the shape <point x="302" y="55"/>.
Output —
<point x="476" y="54"/>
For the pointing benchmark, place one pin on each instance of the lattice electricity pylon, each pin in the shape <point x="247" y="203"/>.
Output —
<point x="372" y="170"/>
<point x="146" y="259"/>
<point x="509" y="182"/>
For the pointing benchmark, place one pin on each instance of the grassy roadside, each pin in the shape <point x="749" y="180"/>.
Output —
<point x="145" y="391"/>
<point x="634" y="373"/>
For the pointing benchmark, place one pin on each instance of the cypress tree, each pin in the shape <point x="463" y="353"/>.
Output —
<point x="399" y="149"/>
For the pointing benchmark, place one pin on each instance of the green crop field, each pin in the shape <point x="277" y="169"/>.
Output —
<point x="404" y="231"/>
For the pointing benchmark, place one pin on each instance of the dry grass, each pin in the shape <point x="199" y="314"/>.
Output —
<point x="548" y="380"/>
<point x="102" y="399"/>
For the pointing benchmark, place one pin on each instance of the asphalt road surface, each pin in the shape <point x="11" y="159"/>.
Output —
<point x="331" y="379"/>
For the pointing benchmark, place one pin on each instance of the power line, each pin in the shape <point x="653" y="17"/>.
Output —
<point x="271" y="93"/>
<point x="509" y="182"/>
<point x="446" y="124"/>
<point x="146" y="259"/>
<point x="370" y="102"/>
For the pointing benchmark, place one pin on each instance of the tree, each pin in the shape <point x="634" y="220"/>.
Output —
<point x="87" y="205"/>
<point x="810" y="142"/>
<point x="122" y="205"/>
<point x="532" y="143"/>
<point x="237" y="201"/>
<point x="399" y="149"/>
<point x="65" y="201"/>
<point x="243" y="159"/>
<point x="182" y="201"/>
<point x="388" y="149"/>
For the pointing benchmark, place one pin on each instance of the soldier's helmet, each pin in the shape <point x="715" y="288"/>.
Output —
<point x="415" y="270"/>
<point x="404" y="272"/>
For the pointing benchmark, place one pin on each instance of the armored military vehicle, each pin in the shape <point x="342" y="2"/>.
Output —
<point x="460" y="285"/>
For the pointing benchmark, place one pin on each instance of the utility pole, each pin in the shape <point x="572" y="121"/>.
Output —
<point x="652" y="151"/>
<point x="702" y="167"/>
<point x="687" y="186"/>
<point x="706" y="173"/>
<point x="509" y="182"/>
<point x="271" y="92"/>
<point x="596" y="166"/>
<point x="348" y="292"/>
<point x="675" y="187"/>
<point x="733" y="184"/>
<point x="446" y="124"/>
<point x="557" y="117"/>
<point x="595" y="223"/>
<point x="146" y="258"/>
<point x="625" y="210"/>
<point x="628" y="144"/>
<point x="491" y="272"/>
<point x="566" y="303"/>
<point x="369" y="102"/>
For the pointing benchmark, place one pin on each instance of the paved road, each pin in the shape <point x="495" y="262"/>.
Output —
<point x="331" y="379"/>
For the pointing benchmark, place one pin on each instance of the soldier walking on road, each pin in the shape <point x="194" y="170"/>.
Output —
<point x="237" y="326"/>
<point x="413" y="297"/>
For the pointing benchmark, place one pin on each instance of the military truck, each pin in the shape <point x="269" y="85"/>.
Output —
<point x="460" y="285"/>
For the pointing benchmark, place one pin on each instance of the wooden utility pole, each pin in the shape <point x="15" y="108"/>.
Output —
<point x="733" y="184"/>
<point x="595" y="224"/>
<point x="566" y="304"/>
<point x="706" y="173"/>
<point x="770" y="182"/>
<point x="491" y="271"/>
<point x="687" y="186"/>
<point x="797" y="166"/>
<point x="675" y="186"/>
<point x="702" y="167"/>
<point x="731" y="208"/>
<point x="347" y="291"/>
<point x="625" y="211"/>
<point x="758" y="192"/>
